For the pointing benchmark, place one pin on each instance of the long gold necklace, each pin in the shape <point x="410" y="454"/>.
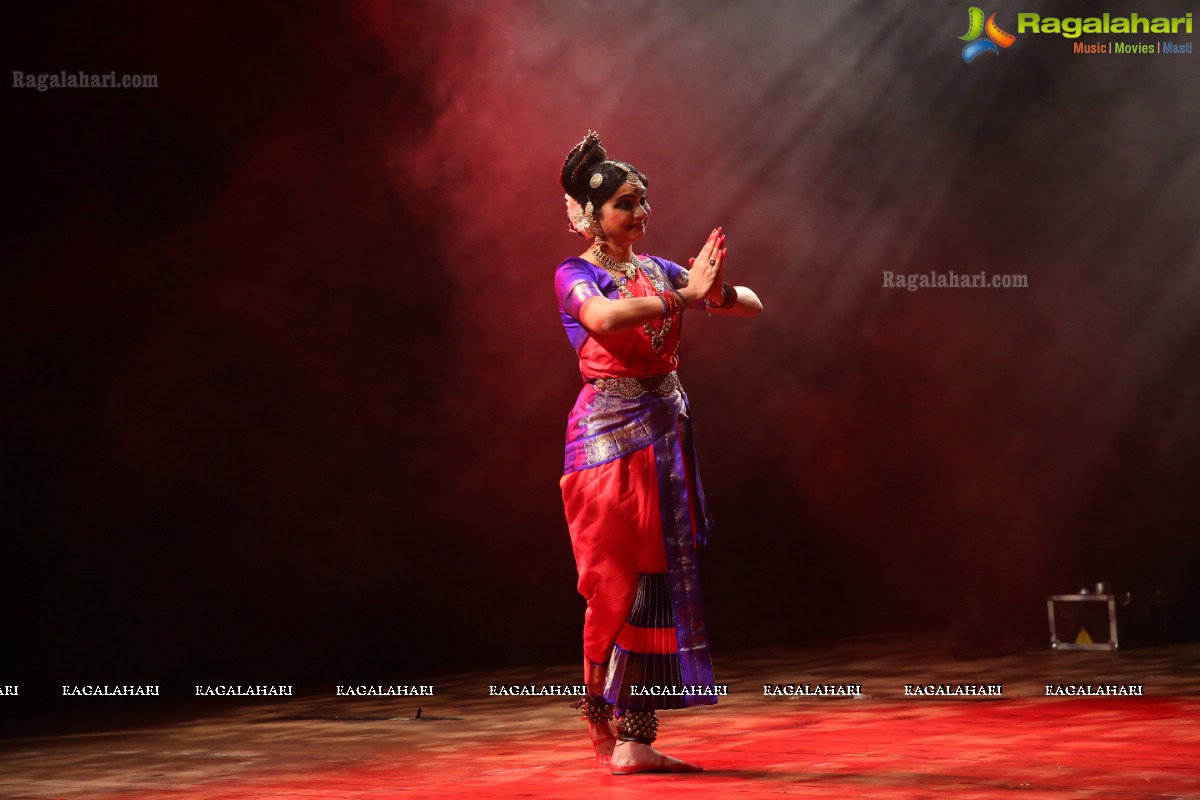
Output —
<point x="621" y="272"/>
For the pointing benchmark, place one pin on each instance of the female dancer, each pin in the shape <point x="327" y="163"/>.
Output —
<point x="632" y="493"/>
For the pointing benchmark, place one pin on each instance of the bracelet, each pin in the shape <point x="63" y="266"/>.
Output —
<point x="729" y="297"/>
<point x="672" y="302"/>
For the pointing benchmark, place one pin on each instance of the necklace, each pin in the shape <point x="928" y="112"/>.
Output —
<point x="627" y="268"/>
<point x="622" y="272"/>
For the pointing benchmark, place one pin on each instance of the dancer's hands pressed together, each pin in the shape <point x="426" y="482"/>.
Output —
<point x="705" y="270"/>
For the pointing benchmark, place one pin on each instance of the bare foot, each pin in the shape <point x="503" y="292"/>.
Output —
<point x="603" y="739"/>
<point x="630" y="758"/>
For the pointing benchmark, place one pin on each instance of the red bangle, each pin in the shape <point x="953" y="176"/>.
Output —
<point x="728" y="297"/>
<point x="672" y="302"/>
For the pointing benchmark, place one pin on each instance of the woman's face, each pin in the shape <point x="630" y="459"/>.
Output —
<point x="624" y="216"/>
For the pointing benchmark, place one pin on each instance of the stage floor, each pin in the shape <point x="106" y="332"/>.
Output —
<point x="880" y="745"/>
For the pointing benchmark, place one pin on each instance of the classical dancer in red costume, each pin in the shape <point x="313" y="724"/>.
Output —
<point x="631" y="488"/>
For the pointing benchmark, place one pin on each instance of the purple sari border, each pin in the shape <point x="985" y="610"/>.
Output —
<point x="695" y="662"/>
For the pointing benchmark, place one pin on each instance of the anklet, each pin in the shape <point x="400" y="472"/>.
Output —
<point x="596" y="710"/>
<point x="638" y="726"/>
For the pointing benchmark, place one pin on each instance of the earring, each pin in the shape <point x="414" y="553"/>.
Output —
<point x="594" y="221"/>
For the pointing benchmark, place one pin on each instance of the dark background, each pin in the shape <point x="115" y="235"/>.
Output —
<point x="286" y="385"/>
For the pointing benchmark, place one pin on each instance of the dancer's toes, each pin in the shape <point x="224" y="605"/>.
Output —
<point x="631" y="758"/>
<point x="603" y="739"/>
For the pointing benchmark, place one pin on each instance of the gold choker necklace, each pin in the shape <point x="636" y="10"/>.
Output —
<point x="627" y="268"/>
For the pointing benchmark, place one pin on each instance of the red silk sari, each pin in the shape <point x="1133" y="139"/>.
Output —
<point x="634" y="503"/>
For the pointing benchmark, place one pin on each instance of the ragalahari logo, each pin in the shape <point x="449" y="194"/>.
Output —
<point x="996" y="38"/>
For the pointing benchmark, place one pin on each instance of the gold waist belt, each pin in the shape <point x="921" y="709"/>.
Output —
<point x="632" y="388"/>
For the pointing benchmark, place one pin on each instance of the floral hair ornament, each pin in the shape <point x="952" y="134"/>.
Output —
<point x="578" y="218"/>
